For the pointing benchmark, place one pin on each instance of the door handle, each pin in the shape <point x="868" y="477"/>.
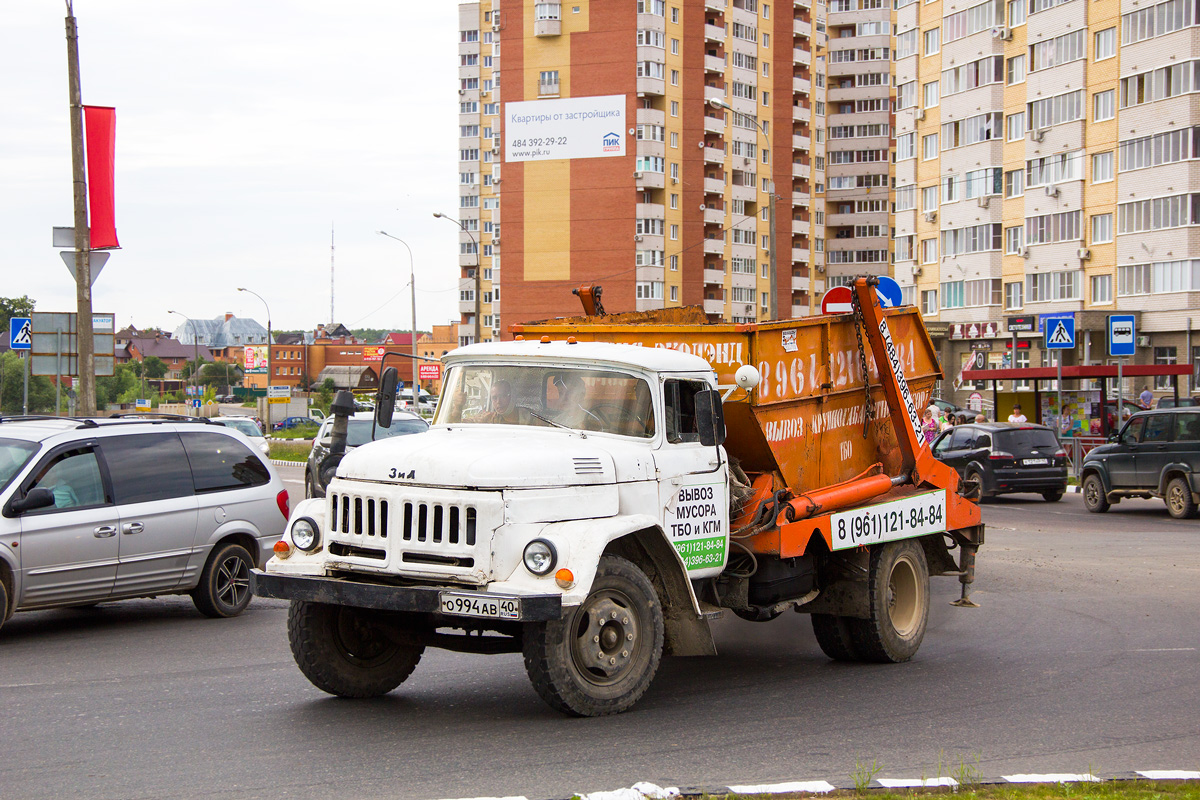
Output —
<point x="105" y="531"/>
<point x="132" y="527"/>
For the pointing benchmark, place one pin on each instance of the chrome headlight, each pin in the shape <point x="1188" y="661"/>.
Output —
<point x="305" y="535"/>
<point x="540" y="557"/>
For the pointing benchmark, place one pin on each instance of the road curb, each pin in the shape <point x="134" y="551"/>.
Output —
<point x="645" y="791"/>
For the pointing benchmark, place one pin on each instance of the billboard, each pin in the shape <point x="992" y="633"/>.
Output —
<point x="569" y="127"/>
<point x="374" y="352"/>
<point x="254" y="360"/>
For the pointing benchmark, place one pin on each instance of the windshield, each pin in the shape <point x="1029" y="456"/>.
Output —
<point x="245" y="427"/>
<point x="358" y="431"/>
<point x="14" y="454"/>
<point x="591" y="400"/>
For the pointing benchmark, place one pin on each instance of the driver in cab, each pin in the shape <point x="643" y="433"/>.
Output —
<point x="503" y="411"/>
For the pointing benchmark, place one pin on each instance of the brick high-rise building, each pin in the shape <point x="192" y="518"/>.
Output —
<point x="707" y="113"/>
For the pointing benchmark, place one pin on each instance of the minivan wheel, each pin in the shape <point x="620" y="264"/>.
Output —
<point x="3" y="603"/>
<point x="1094" y="498"/>
<point x="309" y="491"/>
<point x="1180" y="504"/>
<point x="224" y="588"/>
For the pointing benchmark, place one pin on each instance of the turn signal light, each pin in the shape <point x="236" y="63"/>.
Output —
<point x="545" y="340"/>
<point x="282" y="549"/>
<point x="564" y="578"/>
<point x="572" y="340"/>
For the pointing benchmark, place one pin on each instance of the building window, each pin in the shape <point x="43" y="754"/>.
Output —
<point x="1014" y="240"/>
<point x="674" y="108"/>
<point x="674" y="232"/>
<point x="1101" y="289"/>
<point x="1016" y="70"/>
<point x="1016" y="13"/>
<point x="674" y="263"/>
<point x="1102" y="228"/>
<point x="1162" y="357"/>
<point x="548" y="82"/>
<point x="933" y="40"/>
<point x="674" y="294"/>
<point x="1102" y="167"/>
<point x="674" y="77"/>
<point x="1047" y="286"/>
<point x="929" y="251"/>
<point x="929" y="146"/>
<point x="930" y="94"/>
<point x="929" y="198"/>
<point x="1014" y="183"/>
<point x="1013" y="295"/>
<point x="929" y="302"/>
<point x="1106" y="44"/>
<point x="1016" y="125"/>
<point x="1104" y="105"/>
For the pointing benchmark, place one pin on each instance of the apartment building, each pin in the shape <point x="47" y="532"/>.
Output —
<point x="663" y="149"/>
<point x="859" y="124"/>
<point x="1045" y="163"/>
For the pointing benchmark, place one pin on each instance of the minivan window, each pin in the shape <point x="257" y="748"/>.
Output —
<point x="73" y="478"/>
<point x="147" y="466"/>
<point x="1025" y="440"/>
<point x="14" y="455"/>
<point x="963" y="438"/>
<point x="221" y="462"/>
<point x="246" y="427"/>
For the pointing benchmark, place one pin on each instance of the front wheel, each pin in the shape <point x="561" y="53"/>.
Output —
<point x="600" y="658"/>
<point x="1094" y="498"/>
<point x="898" y="588"/>
<point x="1180" y="504"/>
<point x="4" y="610"/>
<point x="350" y="652"/>
<point x="224" y="588"/>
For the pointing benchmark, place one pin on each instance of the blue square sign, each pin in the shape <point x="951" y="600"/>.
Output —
<point x="1058" y="331"/>
<point x="1122" y="335"/>
<point x="20" y="333"/>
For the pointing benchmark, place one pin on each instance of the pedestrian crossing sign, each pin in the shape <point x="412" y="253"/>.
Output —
<point x="1059" y="332"/>
<point x="20" y="333"/>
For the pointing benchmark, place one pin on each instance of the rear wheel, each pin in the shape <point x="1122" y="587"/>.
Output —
<point x="1094" y="497"/>
<point x="833" y="635"/>
<point x="600" y="658"/>
<point x="1180" y="504"/>
<point x="224" y="588"/>
<point x="350" y="652"/>
<point x="899" y="593"/>
<point x="974" y="486"/>
<point x="1052" y="496"/>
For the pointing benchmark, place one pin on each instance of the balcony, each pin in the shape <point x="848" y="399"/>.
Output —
<point x="800" y="199"/>
<point x="714" y="33"/>
<point x="715" y="5"/>
<point x="468" y="259"/>
<point x="714" y="156"/>
<point x="714" y="186"/>
<point x="650" y="210"/>
<point x="714" y="216"/>
<point x="802" y="85"/>
<point x="651" y="116"/>
<point x="802" y="171"/>
<point x="651" y="86"/>
<point x="649" y="180"/>
<point x="801" y="142"/>
<point x="548" y="89"/>
<point x="800" y="255"/>
<point x="800" y="284"/>
<point x="714" y="64"/>
<point x="714" y="124"/>
<point x="716" y="307"/>
<point x="800" y="113"/>
<point x="714" y="247"/>
<point x="714" y="276"/>
<point x="800" y="28"/>
<point x="800" y="227"/>
<point x="466" y="306"/>
<point x="800" y="311"/>
<point x="801" y="56"/>
<point x="714" y="93"/>
<point x="547" y="27"/>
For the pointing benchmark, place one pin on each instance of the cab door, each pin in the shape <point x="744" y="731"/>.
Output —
<point x="1122" y="461"/>
<point x="693" y="486"/>
<point x="69" y="550"/>
<point x="1155" y="453"/>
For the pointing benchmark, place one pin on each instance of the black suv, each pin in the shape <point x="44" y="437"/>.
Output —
<point x="1003" y="457"/>
<point x="1157" y="454"/>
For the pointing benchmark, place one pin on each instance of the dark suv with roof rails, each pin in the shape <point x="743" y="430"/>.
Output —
<point x="93" y="510"/>
<point x="1156" y="454"/>
<point x="1005" y="457"/>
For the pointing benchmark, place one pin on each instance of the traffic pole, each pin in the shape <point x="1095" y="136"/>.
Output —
<point x="25" y="394"/>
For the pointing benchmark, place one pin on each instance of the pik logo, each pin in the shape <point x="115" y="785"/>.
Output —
<point x="612" y="142"/>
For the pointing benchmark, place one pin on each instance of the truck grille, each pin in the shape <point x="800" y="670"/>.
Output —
<point x="410" y="530"/>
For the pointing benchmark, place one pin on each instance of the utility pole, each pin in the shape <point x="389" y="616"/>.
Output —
<point x="83" y="269"/>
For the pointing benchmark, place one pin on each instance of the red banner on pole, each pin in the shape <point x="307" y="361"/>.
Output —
<point x="100" y="122"/>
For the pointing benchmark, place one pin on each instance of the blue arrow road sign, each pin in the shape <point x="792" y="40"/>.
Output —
<point x="1122" y="335"/>
<point x="1058" y="330"/>
<point x="20" y="333"/>
<point x="889" y="292"/>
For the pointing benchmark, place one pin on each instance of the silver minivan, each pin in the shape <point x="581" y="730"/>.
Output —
<point x="106" y="509"/>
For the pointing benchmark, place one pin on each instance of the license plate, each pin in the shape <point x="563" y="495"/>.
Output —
<point x="475" y="605"/>
<point x="1029" y="462"/>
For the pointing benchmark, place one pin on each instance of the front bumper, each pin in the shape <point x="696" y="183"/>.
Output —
<point x="416" y="599"/>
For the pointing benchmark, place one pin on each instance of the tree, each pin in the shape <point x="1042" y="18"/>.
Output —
<point x="14" y="307"/>
<point x="154" y="368"/>
<point x="122" y="387"/>
<point x="41" y="388"/>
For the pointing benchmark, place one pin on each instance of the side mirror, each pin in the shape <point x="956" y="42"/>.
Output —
<point x="33" y="500"/>
<point x="385" y="400"/>
<point x="710" y="418"/>
<point x="1113" y="437"/>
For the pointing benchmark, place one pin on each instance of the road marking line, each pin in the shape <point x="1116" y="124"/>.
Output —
<point x="1052" y="777"/>
<point x="782" y="788"/>
<point x="1170" y="774"/>
<point x="1165" y="650"/>
<point x="911" y="783"/>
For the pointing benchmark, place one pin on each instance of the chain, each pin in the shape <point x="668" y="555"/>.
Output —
<point x="859" y="324"/>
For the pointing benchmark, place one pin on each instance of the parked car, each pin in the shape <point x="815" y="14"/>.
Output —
<point x="1156" y="454"/>
<point x="288" y="423"/>
<point x="246" y="427"/>
<point x="1005" y="457"/>
<point x="358" y="433"/>
<point x="109" y="509"/>
<point x="956" y="413"/>
<point x="1184" y="402"/>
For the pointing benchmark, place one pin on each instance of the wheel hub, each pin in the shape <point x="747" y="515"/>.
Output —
<point x="606" y="638"/>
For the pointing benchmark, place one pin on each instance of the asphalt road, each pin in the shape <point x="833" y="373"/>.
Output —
<point x="1084" y="655"/>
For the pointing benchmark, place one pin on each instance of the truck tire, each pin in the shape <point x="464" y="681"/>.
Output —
<point x="1094" y="498"/>
<point x="1178" y="497"/>
<point x="833" y="635"/>
<point x="347" y="651"/>
<point x="224" y="588"/>
<point x="899" y="593"/>
<point x="600" y="658"/>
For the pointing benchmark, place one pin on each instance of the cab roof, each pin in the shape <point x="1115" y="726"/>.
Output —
<point x="657" y="359"/>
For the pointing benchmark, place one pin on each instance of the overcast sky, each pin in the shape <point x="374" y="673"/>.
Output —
<point x="244" y="130"/>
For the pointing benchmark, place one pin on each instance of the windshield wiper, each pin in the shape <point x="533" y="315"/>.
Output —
<point x="533" y="413"/>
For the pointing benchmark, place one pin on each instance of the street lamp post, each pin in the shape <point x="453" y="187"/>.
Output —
<point x="270" y="343"/>
<point x="413" y="284"/>
<point x="478" y="276"/>
<point x="195" y="347"/>
<point x="773" y="307"/>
